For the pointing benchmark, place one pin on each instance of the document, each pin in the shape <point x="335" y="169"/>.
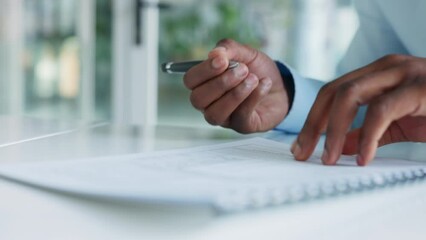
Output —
<point x="228" y="177"/>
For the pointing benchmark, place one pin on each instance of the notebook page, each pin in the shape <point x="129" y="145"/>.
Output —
<point x="229" y="176"/>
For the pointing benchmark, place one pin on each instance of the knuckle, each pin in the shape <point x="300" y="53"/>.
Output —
<point x="187" y="81"/>
<point x="252" y="53"/>
<point x="244" y="129"/>
<point x="420" y="84"/>
<point x="238" y="93"/>
<point x="242" y="123"/>
<point x="348" y="90"/>
<point x="380" y="108"/>
<point x="394" y="58"/>
<point x="413" y="68"/>
<point x="226" y="42"/>
<point x="326" y="90"/>
<point x="212" y="118"/>
<point x="222" y="83"/>
<point x="195" y="101"/>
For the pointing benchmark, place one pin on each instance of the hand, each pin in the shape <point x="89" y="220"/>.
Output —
<point x="394" y="88"/>
<point x="249" y="98"/>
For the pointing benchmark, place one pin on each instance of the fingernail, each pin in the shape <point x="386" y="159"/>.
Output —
<point x="324" y="157"/>
<point x="295" y="148"/>
<point x="266" y="86"/>
<point x="214" y="52"/>
<point x="219" y="48"/>
<point x="362" y="157"/>
<point x="240" y="71"/>
<point x="218" y="62"/>
<point x="359" y="160"/>
<point x="251" y="81"/>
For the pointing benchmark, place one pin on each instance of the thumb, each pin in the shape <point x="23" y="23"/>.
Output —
<point x="233" y="50"/>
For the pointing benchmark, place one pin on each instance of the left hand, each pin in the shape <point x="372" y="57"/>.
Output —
<point x="393" y="87"/>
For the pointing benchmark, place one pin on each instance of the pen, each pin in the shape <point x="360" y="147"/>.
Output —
<point x="183" y="67"/>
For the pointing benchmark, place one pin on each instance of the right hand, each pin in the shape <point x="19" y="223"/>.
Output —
<point x="249" y="98"/>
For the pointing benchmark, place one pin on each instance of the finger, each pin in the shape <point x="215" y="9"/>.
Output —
<point x="337" y="128"/>
<point x="217" y="51"/>
<point x="318" y="116"/>
<point x="205" y="71"/>
<point x="317" y="120"/>
<point x="219" y="112"/>
<point x="393" y="134"/>
<point x="406" y="129"/>
<point x="237" y="51"/>
<point x="350" y="146"/>
<point x="245" y="119"/>
<point x="348" y="98"/>
<point x="218" y="62"/>
<point x="205" y="94"/>
<point x="404" y="101"/>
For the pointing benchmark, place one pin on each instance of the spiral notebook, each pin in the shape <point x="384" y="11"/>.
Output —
<point x="229" y="177"/>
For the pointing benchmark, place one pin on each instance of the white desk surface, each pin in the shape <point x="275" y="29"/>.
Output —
<point x="30" y="213"/>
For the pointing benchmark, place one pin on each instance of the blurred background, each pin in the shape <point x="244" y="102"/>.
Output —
<point x="98" y="60"/>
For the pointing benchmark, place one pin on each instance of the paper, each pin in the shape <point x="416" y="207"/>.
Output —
<point x="232" y="176"/>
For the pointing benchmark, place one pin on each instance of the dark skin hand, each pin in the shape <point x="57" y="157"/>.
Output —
<point x="249" y="98"/>
<point x="393" y="88"/>
<point x="252" y="98"/>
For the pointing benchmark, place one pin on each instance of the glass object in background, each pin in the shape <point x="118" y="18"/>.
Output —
<point x="54" y="52"/>
<point x="309" y="35"/>
<point x="63" y="58"/>
<point x="10" y="62"/>
<point x="103" y="59"/>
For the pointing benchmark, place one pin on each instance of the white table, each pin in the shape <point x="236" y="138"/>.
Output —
<point x="30" y="213"/>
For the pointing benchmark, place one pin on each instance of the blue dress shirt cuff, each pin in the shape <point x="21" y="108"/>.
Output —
<point x="288" y="82"/>
<point x="304" y="94"/>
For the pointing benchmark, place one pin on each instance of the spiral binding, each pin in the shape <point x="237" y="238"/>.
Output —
<point x="239" y="200"/>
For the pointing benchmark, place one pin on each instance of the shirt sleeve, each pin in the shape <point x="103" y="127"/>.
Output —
<point x="374" y="39"/>
<point x="305" y="92"/>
